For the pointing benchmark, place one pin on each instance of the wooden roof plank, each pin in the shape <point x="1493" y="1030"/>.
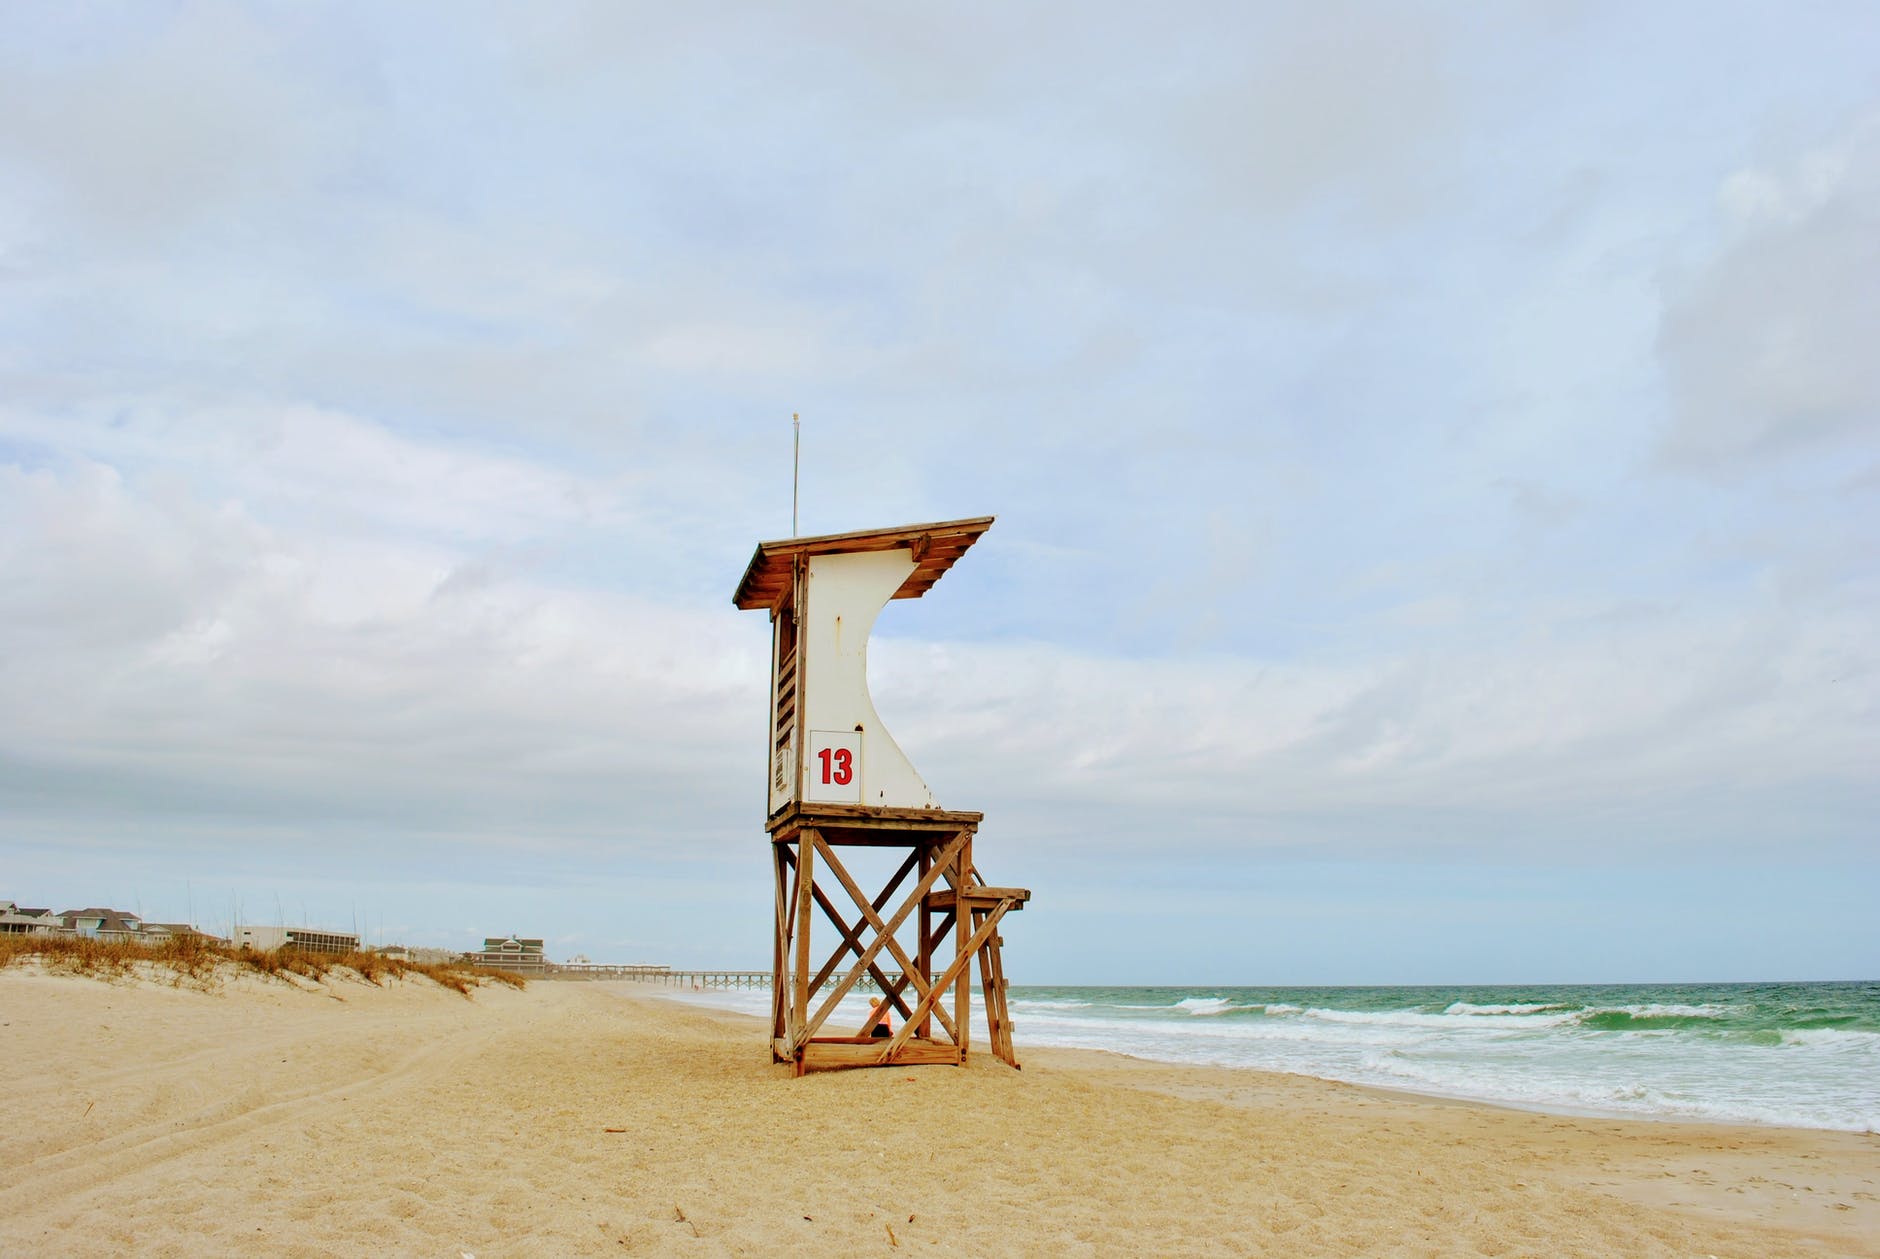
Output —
<point x="937" y="545"/>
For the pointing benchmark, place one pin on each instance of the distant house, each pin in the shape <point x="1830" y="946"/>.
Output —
<point x="92" y="924"/>
<point x="511" y="953"/>
<point x="304" y="939"/>
<point x="15" y="921"/>
<point x="155" y="932"/>
<point x="408" y="953"/>
<point x="102" y="924"/>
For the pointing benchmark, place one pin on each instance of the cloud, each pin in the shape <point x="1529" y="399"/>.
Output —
<point x="1513" y="740"/>
<point x="175" y="653"/>
<point x="392" y="397"/>
<point x="1343" y="104"/>
<point x="1768" y="346"/>
<point x="175" y="118"/>
<point x="215" y="651"/>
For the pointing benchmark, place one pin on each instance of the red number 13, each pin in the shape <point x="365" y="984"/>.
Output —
<point x="838" y="766"/>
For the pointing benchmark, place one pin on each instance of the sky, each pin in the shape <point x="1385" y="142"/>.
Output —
<point x="1436" y="454"/>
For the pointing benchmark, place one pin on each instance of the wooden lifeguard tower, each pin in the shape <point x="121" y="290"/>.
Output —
<point x="838" y="781"/>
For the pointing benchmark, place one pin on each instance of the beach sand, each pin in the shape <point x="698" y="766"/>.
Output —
<point x="598" y="1118"/>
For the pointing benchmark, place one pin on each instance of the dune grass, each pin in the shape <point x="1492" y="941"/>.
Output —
<point x="197" y="960"/>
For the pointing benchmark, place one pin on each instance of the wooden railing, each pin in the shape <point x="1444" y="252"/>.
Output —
<point x="694" y="979"/>
<point x="606" y="970"/>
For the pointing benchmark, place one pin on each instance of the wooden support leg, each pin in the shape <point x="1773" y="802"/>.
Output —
<point x="985" y="986"/>
<point x="992" y="983"/>
<point x="805" y="882"/>
<point x="923" y="952"/>
<point x="780" y="951"/>
<point x="1000" y="985"/>
<point x="963" y="980"/>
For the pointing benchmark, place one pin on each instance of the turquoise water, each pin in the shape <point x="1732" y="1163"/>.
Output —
<point x="1802" y="1055"/>
<point x="1799" y="1055"/>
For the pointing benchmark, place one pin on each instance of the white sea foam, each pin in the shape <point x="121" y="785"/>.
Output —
<point x="1280" y="1007"/>
<point x="1204" y="1005"/>
<point x="1465" y="1007"/>
<point x="1847" y="1038"/>
<point x="1571" y="1088"/>
<point x="1379" y="1018"/>
<point x="1439" y="1022"/>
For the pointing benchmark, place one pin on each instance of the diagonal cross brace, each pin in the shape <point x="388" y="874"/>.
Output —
<point x="930" y="1001"/>
<point x="851" y="938"/>
<point x="847" y="982"/>
<point x="852" y="943"/>
<point x="908" y="968"/>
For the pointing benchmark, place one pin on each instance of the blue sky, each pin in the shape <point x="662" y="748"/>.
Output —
<point x="1436" y="454"/>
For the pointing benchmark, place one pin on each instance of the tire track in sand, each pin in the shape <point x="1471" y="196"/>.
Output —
<point x="42" y="1182"/>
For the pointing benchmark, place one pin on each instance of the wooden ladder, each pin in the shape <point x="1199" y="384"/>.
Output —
<point x="985" y="906"/>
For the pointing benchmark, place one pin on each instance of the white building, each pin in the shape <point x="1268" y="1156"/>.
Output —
<point x="305" y="939"/>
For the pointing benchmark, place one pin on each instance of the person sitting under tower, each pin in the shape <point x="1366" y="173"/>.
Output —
<point x="881" y="1026"/>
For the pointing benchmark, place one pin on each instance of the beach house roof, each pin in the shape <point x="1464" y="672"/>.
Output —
<point x="511" y="944"/>
<point x="104" y="921"/>
<point x="935" y="546"/>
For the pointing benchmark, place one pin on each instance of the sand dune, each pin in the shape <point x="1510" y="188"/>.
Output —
<point x="599" y="1119"/>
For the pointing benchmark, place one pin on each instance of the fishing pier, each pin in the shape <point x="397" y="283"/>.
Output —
<point x="695" y="979"/>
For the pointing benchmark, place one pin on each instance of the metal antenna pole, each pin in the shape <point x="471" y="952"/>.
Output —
<point x="796" y="466"/>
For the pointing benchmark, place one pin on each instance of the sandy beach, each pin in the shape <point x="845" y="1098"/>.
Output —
<point x="600" y="1118"/>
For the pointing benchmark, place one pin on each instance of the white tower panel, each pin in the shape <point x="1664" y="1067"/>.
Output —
<point x="852" y="758"/>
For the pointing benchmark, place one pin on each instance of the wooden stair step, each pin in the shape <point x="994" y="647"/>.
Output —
<point x="978" y="897"/>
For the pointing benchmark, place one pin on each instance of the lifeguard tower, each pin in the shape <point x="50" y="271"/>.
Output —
<point x="837" y="782"/>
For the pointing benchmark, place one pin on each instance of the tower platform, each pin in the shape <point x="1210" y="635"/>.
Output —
<point x="955" y="917"/>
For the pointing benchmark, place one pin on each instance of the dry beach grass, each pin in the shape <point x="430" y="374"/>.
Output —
<point x="201" y="962"/>
<point x="343" y="1118"/>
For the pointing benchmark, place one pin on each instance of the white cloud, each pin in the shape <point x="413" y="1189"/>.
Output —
<point x="183" y="652"/>
<point x="1769" y="345"/>
<point x="369" y="749"/>
<point x="173" y="120"/>
<point x="1552" y="726"/>
<point x="300" y="460"/>
<point x="168" y="649"/>
<point x="391" y="399"/>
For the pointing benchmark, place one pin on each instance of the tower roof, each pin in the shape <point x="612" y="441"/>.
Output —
<point x="935" y="547"/>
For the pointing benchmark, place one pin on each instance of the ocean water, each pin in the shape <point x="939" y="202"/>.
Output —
<point x="1799" y="1055"/>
